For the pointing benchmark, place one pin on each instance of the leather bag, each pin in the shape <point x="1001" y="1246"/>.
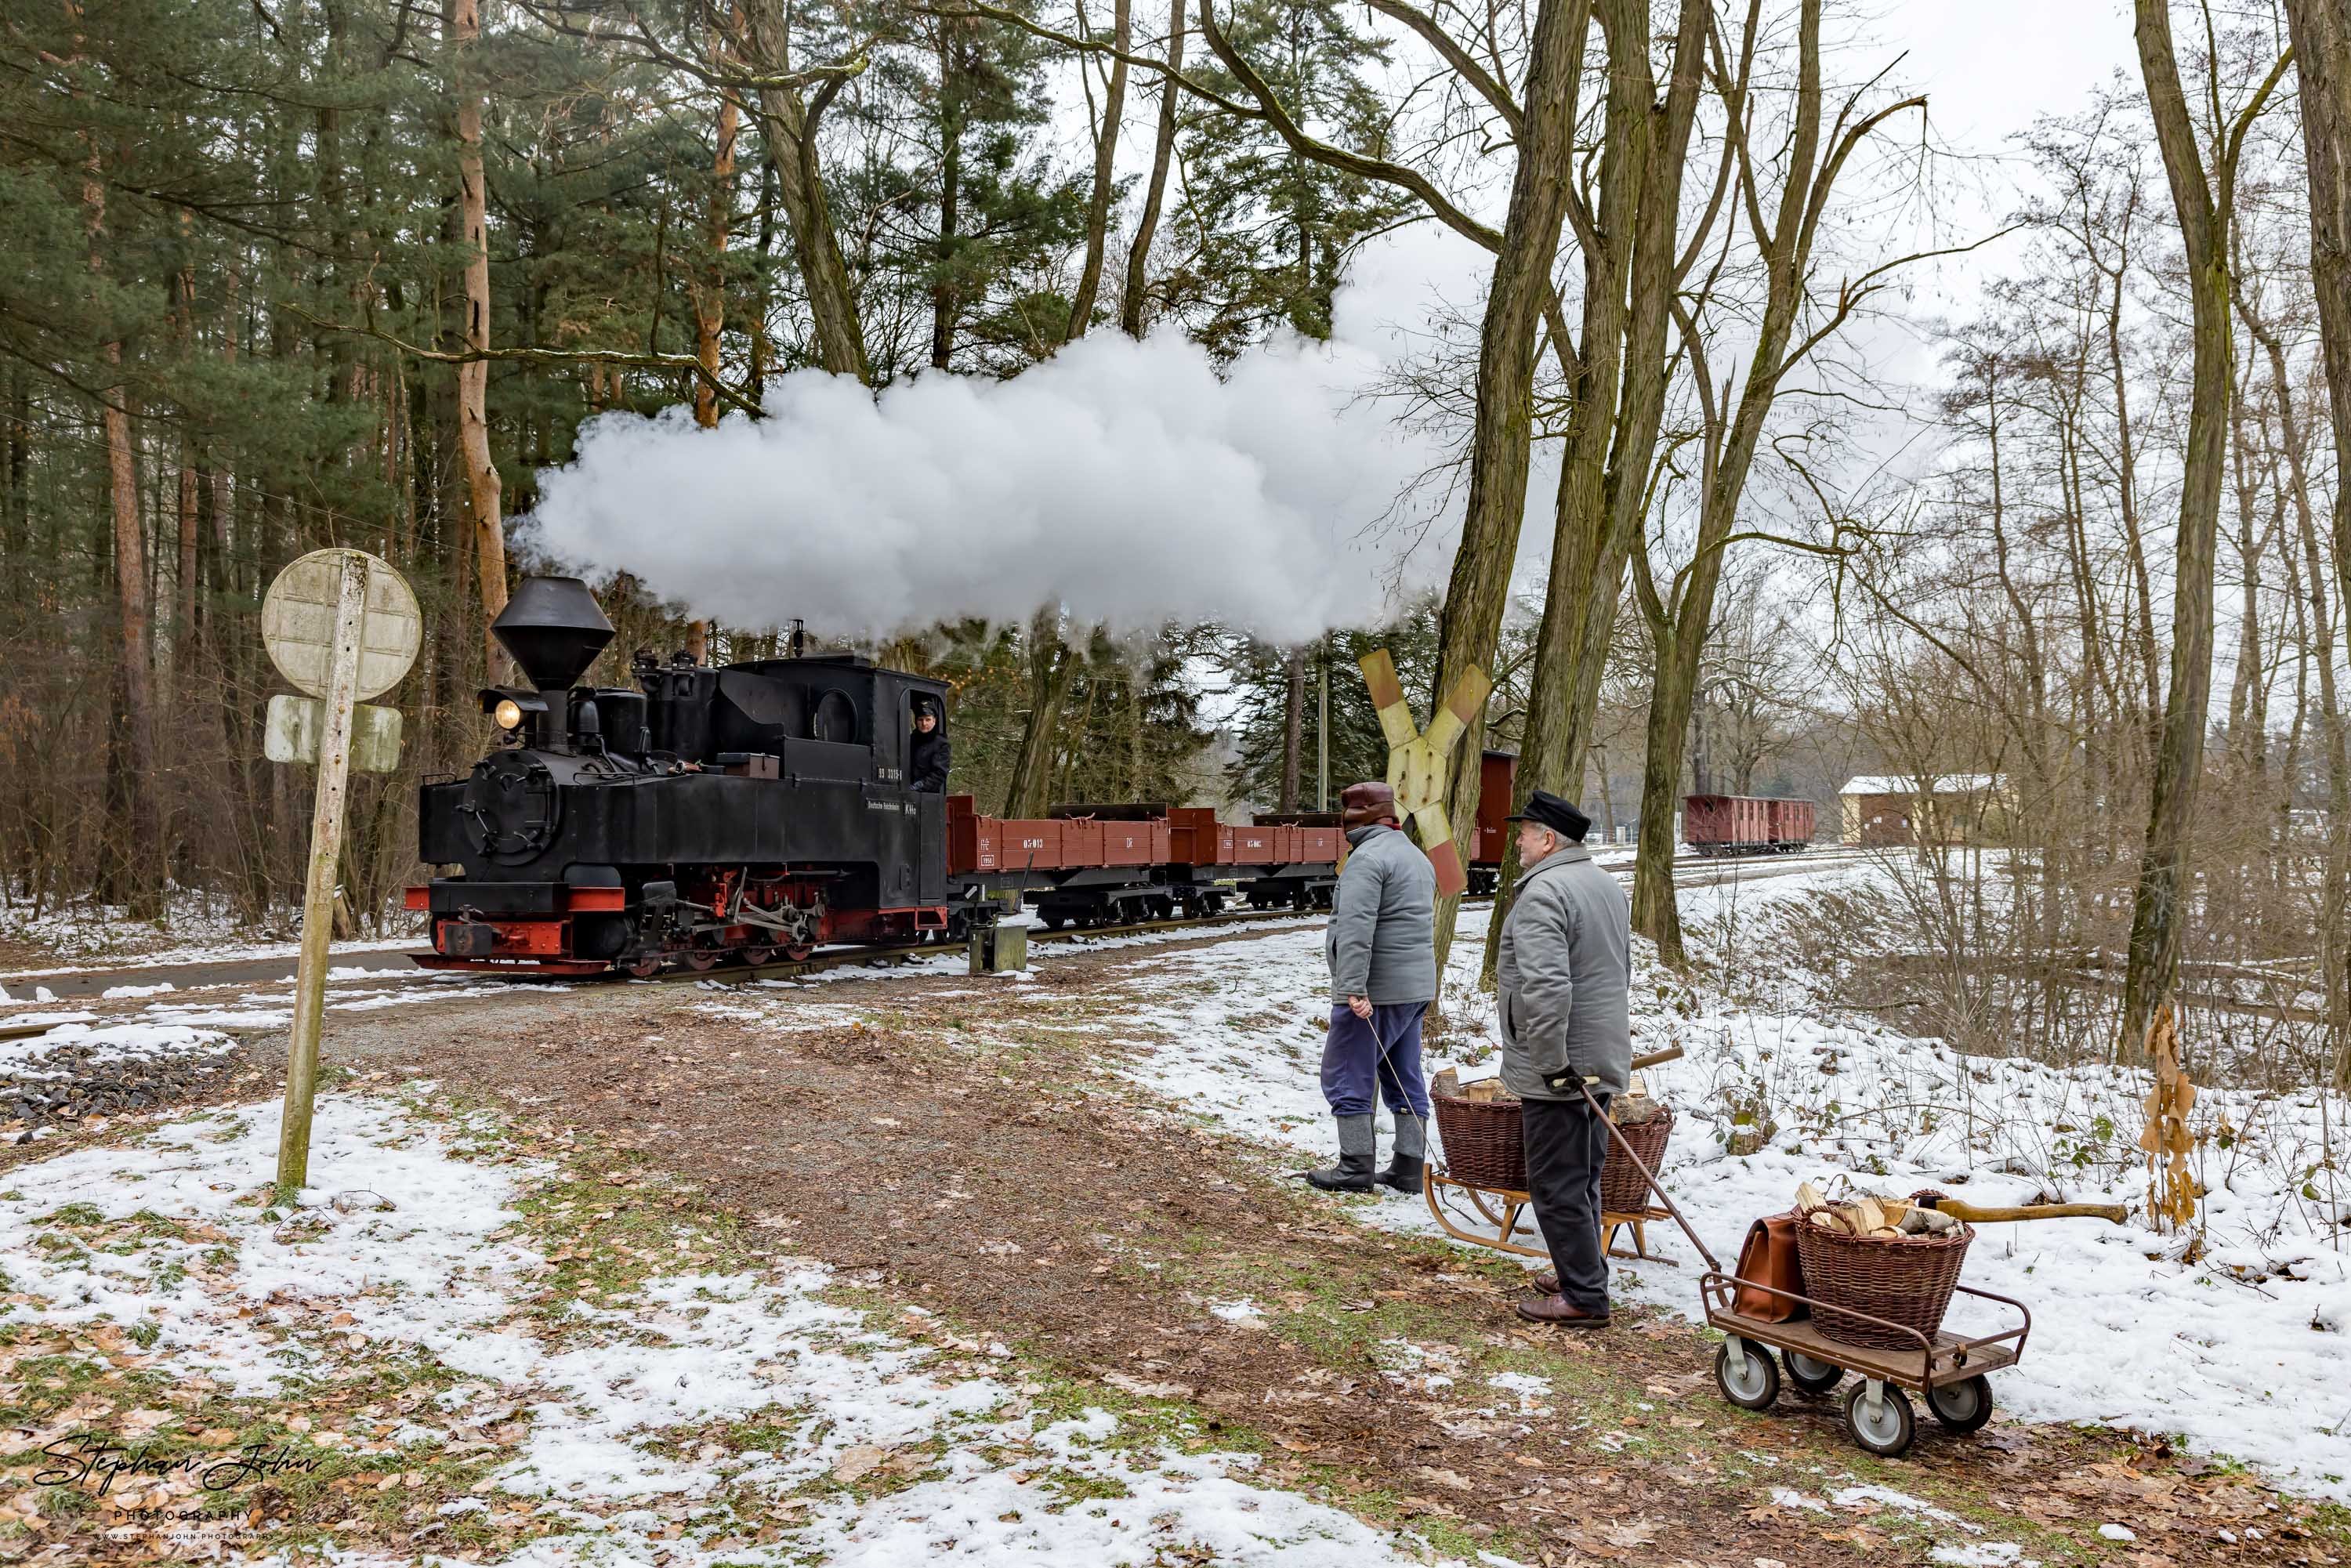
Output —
<point x="1769" y="1257"/>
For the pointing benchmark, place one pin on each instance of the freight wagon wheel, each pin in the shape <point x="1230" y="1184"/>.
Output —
<point x="1887" y="1429"/>
<point x="1752" y="1383"/>
<point x="1812" y="1376"/>
<point x="1054" y="922"/>
<point x="1961" y="1407"/>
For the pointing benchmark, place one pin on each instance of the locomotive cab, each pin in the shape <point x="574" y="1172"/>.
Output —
<point x="707" y="814"/>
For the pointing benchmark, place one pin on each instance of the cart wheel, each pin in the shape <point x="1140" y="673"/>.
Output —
<point x="1754" y="1383"/>
<point x="1961" y="1407"/>
<point x="1887" y="1432"/>
<point x="1809" y="1375"/>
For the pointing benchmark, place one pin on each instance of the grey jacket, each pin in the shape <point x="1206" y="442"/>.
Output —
<point x="1382" y="944"/>
<point x="1564" y="977"/>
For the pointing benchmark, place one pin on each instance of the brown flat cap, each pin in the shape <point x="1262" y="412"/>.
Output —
<point x="1367" y="802"/>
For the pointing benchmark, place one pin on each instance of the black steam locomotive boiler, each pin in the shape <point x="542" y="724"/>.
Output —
<point x="707" y="814"/>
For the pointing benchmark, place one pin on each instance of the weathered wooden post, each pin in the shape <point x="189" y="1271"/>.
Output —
<point x="341" y="625"/>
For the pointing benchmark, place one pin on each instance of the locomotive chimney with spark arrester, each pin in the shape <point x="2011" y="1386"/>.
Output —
<point x="553" y="629"/>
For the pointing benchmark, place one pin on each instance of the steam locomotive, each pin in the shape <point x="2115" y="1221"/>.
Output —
<point x="728" y="815"/>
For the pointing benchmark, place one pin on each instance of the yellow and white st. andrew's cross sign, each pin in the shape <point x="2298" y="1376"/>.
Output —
<point x="1419" y="758"/>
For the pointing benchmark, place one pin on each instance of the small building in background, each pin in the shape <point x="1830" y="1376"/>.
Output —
<point x="1883" y="810"/>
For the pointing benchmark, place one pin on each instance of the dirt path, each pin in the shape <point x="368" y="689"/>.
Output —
<point x="990" y="1167"/>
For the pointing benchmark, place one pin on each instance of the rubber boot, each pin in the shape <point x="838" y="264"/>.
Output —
<point x="1411" y="1153"/>
<point x="1357" y="1146"/>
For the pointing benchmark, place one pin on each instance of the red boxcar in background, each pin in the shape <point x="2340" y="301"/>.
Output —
<point x="1746" y="824"/>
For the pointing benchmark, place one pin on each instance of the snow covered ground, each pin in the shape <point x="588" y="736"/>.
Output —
<point x="198" y="928"/>
<point x="2242" y="1348"/>
<point x="882" y="1440"/>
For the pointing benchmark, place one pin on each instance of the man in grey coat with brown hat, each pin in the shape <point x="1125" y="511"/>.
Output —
<point x="1383" y="955"/>
<point x="1564" y="976"/>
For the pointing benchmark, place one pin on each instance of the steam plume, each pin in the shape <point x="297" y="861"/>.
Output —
<point x="1125" y="480"/>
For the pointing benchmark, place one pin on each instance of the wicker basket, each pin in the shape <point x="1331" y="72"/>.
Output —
<point x="1621" y="1188"/>
<point x="1484" y="1144"/>
<point x="1906" y="1280"/>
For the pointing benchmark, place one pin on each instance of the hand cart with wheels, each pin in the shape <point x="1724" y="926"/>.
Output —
<point x="1949" y="1371"/>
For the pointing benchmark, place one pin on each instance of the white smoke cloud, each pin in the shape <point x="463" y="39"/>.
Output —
<point x="1126" y="480"/>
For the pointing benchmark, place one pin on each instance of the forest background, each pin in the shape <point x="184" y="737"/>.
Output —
<point x="282" y="274"/>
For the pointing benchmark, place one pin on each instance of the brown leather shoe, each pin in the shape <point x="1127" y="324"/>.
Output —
<point x="1545" y="1283"/>
<point x="1554" y="1309"/>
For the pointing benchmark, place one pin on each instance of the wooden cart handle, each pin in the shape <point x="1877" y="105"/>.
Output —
<point x="1975" y="1215"/>
<point x="1658" y="1058"/>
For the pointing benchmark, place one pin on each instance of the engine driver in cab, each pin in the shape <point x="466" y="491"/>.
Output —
<point x="928" y="761"/>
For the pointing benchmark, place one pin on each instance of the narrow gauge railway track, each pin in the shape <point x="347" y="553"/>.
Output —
<point x="850" y="957"/>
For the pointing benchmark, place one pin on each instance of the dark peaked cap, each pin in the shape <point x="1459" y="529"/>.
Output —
<point x="1561" y="817"/>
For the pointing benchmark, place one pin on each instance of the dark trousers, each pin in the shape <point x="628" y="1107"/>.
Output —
<point x="1366" y="1060"/>
<point x="1566" y="1145"/>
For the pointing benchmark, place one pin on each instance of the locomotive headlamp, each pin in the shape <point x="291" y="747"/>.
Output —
<point x="509" y="713"/>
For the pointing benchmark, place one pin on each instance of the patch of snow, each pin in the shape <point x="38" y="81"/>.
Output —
<point x="1243" y="1310"/>
<point x="1871" y="1498"/>
<point x="1983" y="1555"/>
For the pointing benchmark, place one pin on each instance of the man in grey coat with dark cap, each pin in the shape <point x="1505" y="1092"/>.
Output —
<point x="1382" y="954"/>
<point x="1564" y="976"/>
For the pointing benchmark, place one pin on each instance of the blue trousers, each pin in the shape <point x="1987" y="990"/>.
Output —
<point x="1355" y="1077"/>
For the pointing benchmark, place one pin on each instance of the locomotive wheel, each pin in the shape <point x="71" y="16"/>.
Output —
<point x="754" y="956"/>
<point x="644" y="968"/>
<point x="796" y="951"/>
<point x="701" y="960"/>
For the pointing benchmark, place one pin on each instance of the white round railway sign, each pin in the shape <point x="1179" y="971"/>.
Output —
<point x="298" y="623"/>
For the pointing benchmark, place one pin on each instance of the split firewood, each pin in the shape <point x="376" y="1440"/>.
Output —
<point x="1447" y="1084"/>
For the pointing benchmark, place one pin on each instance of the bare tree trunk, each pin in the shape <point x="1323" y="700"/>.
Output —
<point x="1293" y="724"/>
<point x="1081" y="305"/>
<point x="143" y="882"/>
<point x="1682" y="619"/>
<point x="2322" y="49"/>
<point x="2322" y="52"/>
<point x="710" y="290"/>
<point x="1146" y="224"/>
<point x="1610" y="432"/>
<point x="482" y="485"/>
<point x="1052" y="665"/>
<point x="2334" y="900"/>
<point x="2204" y="205"/>
<point x="791" y="127"/>
<point x="1471" y="620"/>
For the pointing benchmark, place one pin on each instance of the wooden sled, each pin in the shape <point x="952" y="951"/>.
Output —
<point x="1499" y="1230"/>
